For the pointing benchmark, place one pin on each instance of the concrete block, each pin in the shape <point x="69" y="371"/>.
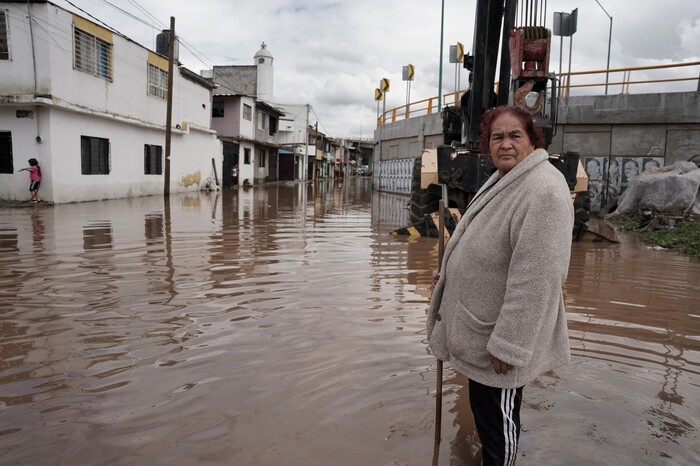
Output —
<point x="639" y="140"/>
<point x="414" y="150"/>
<point x="588" y="144"/>
<point x="557" y="144"/>
<point x="587" y="128"/>
<point x="681" y="145"/>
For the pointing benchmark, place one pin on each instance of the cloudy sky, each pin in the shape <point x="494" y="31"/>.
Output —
<point x="332" y="53"/>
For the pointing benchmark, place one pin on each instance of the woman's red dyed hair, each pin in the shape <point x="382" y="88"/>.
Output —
<point x="532" y="128"/>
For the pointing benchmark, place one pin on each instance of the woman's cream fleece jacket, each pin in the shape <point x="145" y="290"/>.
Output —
<point x="500" y="286"/>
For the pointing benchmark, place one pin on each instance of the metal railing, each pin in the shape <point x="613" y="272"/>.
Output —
<point x="568" y="82"/>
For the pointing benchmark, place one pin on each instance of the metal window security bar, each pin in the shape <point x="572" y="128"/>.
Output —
<point x="4" y="44"/>
<point x="6" y="163"/>
<point x="157" y="82"/>
<point x="94" y="153"/>
<point x="91" y="54"/>
<point x="152" y="159"/>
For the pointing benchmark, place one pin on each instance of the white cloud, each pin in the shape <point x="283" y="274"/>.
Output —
<point x="689" y="33"/>
<point x="332" y="53"/>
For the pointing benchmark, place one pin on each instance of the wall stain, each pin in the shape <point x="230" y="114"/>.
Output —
<point x="191" y="179"/>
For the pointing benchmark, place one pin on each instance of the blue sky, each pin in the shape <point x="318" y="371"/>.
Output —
<point x="332" y="54"/>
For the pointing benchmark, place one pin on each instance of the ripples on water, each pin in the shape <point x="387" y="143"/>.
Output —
<point x="283" y="325"/>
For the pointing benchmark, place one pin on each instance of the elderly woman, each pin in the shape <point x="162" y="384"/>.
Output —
<point x="497" y="311"/>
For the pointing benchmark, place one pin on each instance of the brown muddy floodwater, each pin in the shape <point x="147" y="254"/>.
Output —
<point x="283" y="325"/>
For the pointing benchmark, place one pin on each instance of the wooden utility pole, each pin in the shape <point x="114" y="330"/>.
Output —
<point x="169" y="114"/>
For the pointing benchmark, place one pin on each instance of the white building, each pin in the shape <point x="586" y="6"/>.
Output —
<point x="90" y="105"/>
<point x="266" y="141"/>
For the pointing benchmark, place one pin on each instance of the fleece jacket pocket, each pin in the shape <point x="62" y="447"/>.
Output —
<point x="468" y="336"/>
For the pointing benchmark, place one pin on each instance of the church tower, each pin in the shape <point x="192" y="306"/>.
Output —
<point x="263" y="61"/>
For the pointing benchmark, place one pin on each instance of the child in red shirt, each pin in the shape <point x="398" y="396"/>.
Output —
<point x="34" y="179"/>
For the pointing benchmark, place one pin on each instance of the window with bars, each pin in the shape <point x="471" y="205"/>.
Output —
<point x="273" y="125"/>
<point x="157" y="82"/>
<point x="94" y="155"/>
<point x="246" y="156"/>
<point x="247" y="112"/>
<point x="6" y="164"/>
<point x="152" y="160"/>
<point x="4" y="44"/>
<point x="91" y="54"/>
<point x="261" y="158"/>
<point x="217" y="109"/>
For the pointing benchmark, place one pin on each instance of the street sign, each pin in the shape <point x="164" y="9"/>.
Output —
<point x="409" y="72"/>
<point x="565" y="23"/>
<point x="384" y="85"/>
<point x="457" y="53"/>
<point x="378" y="95"/>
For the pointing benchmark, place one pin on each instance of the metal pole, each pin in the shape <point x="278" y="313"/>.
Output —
<point x="169" y="113"/>
<point x="441" y="252"/>
<point x="607" y="71"/>
<point x="568" y="80"/>
<point x="442" y="30"/>
<point x="561" y="54"/>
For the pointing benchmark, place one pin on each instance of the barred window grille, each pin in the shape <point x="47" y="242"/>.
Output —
<point x="94" y="155"/>
<point x="157" y="82"/>
<point x="247" y="112"/>
<point x="91" y="54"/>
<point x="4" y="46"/>
<point x="6" y="165"/>
<point x="152" y="159"/>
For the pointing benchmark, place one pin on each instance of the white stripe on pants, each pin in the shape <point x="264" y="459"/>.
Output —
<point x="509" y="428"/>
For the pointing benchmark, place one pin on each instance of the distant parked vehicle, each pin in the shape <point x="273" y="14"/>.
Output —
<point x="364" y="170"/>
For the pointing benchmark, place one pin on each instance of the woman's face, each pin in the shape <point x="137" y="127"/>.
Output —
<point x="509" y="144"/>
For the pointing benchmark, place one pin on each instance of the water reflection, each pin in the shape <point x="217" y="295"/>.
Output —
<point x="282" y="324"/>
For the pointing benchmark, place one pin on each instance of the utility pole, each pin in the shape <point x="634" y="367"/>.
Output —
<point x="169" y="113"/>
<point x="442" y="33"/>
<point x="313" y="162"/>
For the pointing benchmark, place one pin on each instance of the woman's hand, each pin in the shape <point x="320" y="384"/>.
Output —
<point x="499" y="367"/>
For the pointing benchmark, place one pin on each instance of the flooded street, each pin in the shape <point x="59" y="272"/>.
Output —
<point x="283" y="325"/>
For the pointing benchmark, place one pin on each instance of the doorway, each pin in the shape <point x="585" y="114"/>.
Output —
<point x="228" y="179"/>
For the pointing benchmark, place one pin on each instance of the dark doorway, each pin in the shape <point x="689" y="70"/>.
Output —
<point x="286" y="167"/>
<point x="272" y="166"/>
<point x="230" y="161"/>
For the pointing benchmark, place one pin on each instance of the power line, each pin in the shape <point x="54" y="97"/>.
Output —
<point x="319" y="121"/>
<point x="190" y="48"/>
<point x="131" y="15"/>
<point x="96" y="19"/>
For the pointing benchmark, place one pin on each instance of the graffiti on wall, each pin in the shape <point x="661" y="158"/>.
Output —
<point x="608" y="178"/>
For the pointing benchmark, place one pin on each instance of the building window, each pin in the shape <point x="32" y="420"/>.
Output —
<point x="262" y="120"/>
<point x="247" y="112"/>
<point x="217" y="109"/>
<point x="246" y="156"/>
<point x="6" y="165"/>
<point x="261" y="158"/>
<point x="4" y="44"/>
<point x="152" y="160"/>
<point x="94" y="155"/>
<point x="273" y="126"/>
<point x="157" y="82"/>
<point x="91" y="54"/>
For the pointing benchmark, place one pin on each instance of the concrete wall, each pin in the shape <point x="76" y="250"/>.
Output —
<point x="617" y="136"/>
<point x="663" y="125"/>
<point x="666" y="125"/>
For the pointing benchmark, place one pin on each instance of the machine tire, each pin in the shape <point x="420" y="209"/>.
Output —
<point x="582" y="207"/>
<point x="423" y="201"/>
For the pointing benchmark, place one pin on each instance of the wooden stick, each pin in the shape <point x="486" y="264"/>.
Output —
<point x="438" y="381"/>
